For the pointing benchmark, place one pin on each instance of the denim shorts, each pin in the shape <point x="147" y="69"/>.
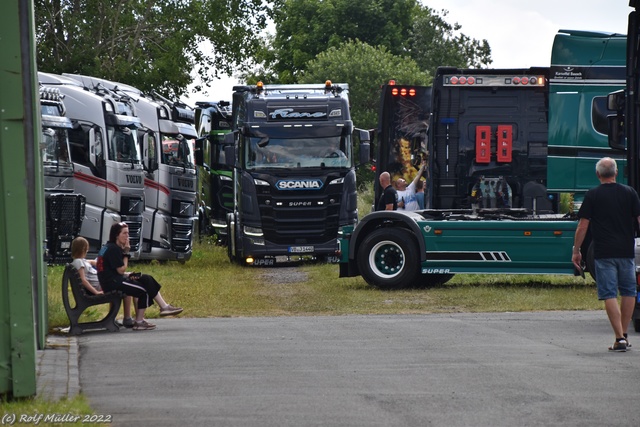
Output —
<point x="613" y="274"/>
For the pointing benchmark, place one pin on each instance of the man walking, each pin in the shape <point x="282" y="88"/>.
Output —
<point x="611" y="209"/>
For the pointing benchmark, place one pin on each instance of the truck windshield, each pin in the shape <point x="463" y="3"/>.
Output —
<point x="291" y="153"/>
<point x="54" y="147"/>
<point x="175" y="151"/>
<point x="123" y="146"/>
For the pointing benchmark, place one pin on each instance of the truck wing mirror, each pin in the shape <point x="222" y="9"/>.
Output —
<point x="197" y="152"/>
<point x="365" y="153"/>
<point x="365" y="136"/>
<point x="229" y="139"/>
<point x="229" y="155"/>
<point x="615" y="100"/>
<point x="616" y="132"/>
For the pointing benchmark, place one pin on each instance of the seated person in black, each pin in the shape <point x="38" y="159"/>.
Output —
<point x="112" y="263"/>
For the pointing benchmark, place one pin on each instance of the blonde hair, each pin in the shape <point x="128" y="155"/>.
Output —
<point x="78" y="247"/>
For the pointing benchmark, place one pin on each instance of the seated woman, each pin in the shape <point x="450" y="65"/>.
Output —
<point x="112" y="263"/>
<point x="86" y="268"/>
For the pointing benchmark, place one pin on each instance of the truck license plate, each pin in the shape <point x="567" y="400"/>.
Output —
<point x="300" y="249"/>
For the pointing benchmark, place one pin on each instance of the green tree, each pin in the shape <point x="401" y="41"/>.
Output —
<point x="365" y="68"/>
<point x="305" y="28"/>
<point x="149" y="44"/>
<point x="434" y="43"/>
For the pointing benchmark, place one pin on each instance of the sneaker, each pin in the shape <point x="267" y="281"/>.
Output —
<point x="143" y="326"/>
<point x="619" y="346"/>
<point x="170" y="311"/>
<point x="128" y="322"/>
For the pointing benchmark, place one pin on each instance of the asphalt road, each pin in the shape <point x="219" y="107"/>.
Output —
<point x="507" y="369"/>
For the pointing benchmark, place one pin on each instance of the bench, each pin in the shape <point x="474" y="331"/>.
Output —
<point x="83" y="300"/>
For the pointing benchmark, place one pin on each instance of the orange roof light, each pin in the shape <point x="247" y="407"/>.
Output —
<point x="392" y="82"/>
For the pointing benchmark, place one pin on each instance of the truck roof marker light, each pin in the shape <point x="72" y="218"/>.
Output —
<point x="395" y="91"/>
<point x="392" y="82"/>
<point x="403" y="92"/>
<point x="412" y="92"/>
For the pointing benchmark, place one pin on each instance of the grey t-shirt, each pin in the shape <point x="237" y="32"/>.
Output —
<point x="90" y="273"/>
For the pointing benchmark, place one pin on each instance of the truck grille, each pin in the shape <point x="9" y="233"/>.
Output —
<point x="64" y="214"/>
<point x="317" y="222"/>
<point x="181" y="230"/>
<point x="135" y="231"/>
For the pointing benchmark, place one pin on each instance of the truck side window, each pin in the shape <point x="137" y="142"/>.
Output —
<point x="79" y="143"/>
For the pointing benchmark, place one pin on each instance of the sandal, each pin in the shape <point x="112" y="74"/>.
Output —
<point x="619" y="346"/>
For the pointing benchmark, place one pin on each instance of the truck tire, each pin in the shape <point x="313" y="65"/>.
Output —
<point x="388" y="258"/>
<point x="432" y="280"/>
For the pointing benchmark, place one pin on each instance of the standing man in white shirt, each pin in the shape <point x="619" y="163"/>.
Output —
<point x="407" y="193"/>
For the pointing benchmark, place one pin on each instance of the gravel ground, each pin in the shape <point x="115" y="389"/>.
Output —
<point x="282" y="275"/>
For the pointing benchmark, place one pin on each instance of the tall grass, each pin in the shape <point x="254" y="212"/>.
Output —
<point x="365" y="198"/>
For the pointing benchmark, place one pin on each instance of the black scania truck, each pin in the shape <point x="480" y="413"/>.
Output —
<point x="292" y="150"/>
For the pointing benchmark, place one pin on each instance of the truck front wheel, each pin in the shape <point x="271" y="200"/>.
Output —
<point x="388" y="258"/>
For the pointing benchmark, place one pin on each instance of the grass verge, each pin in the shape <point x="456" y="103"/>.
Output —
<point x="210" y="286"/>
